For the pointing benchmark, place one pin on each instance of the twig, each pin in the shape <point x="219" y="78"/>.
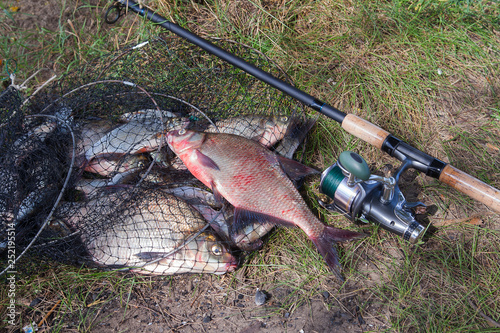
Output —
<point x="195" y="299"/>
<point x="462" y="220"/>
<point x="49" y="313"/>
<point x="39" y="88"/>
<point x="490" y="320"/>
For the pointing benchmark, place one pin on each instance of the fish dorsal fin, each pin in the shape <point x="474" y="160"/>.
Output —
<point x="206" y="161"/>
<point x="243" y="218"/>
<point x="295" y="170"/>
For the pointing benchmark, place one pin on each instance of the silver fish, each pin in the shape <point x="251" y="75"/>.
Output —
<point x="151" y="233"/>
<point x="89" y="132"/>
<point x="91" y="187"/>
<point x="247" y="239"/>
<point x="114" y="164"/>
<point x="150" y="114"/>
<point x="133" y="137"/>
<point x="267" y="130"/>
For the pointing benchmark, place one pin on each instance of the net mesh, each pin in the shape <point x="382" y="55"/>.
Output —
<point x="89" y="178"/>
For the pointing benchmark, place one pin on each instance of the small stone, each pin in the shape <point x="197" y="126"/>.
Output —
<point x="207" y="319"/>
<point x="35" y="302"/>
<point x="260" y="297"/>
<point x="345" y="316"/>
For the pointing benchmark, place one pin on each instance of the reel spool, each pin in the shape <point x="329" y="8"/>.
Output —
<point x="370" y="198"/>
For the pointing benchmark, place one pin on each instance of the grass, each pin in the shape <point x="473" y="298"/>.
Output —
<point x="425" y="70"/>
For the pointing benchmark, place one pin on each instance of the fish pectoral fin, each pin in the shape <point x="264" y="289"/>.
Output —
<point x="218" y="197"/>
<point x="206" y="161"/>
<point x="294" y="169"/>
<point x="244" y="218"/>
<point x="150" y="256"/>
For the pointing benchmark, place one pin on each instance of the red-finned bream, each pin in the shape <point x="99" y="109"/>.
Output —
<point x="253" y="180"/>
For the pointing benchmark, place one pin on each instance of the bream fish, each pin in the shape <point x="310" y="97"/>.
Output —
<point x="267" y="130"/>
<point x="112" y="165"/>
<point x="221" y="217"/>
<point x="160" y="115"/>
<point x="134" y="137"/>
<point x="151" y="232"/>
<point x="253" y="180"/>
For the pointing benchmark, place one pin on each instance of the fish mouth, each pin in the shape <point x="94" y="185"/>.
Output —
<point x="169" y="138"/>
<point x="232" y="265"/>
<point x="180" y="142"/>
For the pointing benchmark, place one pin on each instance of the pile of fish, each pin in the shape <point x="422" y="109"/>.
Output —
<point x="32" y="171"/>
<point x="151" y="195"/>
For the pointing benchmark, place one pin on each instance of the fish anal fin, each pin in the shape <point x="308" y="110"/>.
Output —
<point x="343" y="235"/>
<point x="295" y="170"/>
<point x="243" y="218"/>
<point x="325" y="244"/>
<point x="206" y="161"/>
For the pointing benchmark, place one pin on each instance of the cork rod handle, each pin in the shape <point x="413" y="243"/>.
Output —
<point x="471" y="186"/>
<point x="364" y="130"/>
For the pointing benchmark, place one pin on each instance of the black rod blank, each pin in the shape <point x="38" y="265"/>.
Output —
<point x="288" y="89"/>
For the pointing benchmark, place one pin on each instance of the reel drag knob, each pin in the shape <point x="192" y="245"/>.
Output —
<point x="354" y="166"/>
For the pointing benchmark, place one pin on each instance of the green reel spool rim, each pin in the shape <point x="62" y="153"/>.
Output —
<point x="330" y="180"/>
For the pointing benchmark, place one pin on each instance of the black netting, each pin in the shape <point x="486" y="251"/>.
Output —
<point x="84" y="162"/>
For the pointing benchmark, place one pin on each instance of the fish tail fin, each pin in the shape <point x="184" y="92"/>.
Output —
<point x="325" y="244"/>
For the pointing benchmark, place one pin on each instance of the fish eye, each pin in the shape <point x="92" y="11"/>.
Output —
<point x="182" y="131"/>
<point x="217" y="249"/>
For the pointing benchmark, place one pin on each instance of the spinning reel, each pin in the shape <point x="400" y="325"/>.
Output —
<point x="370" y="198"/>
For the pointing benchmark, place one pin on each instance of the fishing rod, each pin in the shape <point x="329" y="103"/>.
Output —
<point x="355" y="192"/>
